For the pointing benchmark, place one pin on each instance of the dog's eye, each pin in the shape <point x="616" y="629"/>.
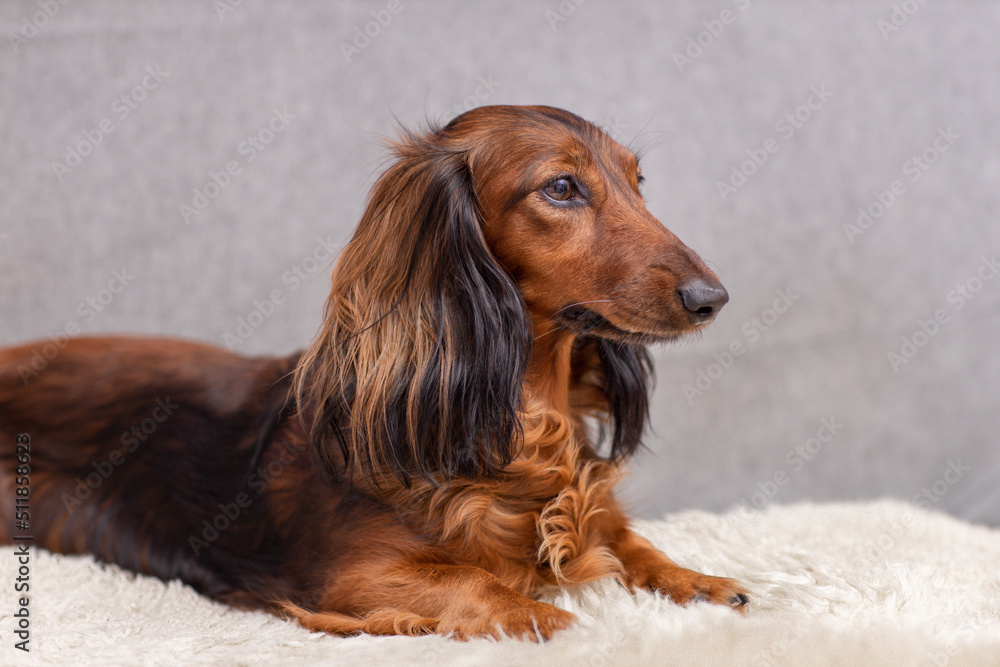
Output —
<point x="561" y="189"/>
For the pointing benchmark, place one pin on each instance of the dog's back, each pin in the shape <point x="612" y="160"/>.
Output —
<point x="135" y="443"/>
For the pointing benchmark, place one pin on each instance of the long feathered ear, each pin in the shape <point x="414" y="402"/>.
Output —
<point x="419" y="366"/>
<point x="626" y="371"/>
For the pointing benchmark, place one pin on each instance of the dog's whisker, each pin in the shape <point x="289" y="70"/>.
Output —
<point x="551" y="331"/>
<point x="583" y="303"/>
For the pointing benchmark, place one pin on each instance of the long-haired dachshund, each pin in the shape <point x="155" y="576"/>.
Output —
<point x="447" y="446"/>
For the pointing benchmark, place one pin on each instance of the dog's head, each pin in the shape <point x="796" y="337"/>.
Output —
<point x="508" y="224"/>
<point x="562" y="211"/>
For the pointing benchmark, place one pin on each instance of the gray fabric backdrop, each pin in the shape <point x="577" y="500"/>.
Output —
<point x="865" y="357"/>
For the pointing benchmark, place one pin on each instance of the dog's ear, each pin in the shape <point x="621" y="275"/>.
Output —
<point x="627" y="372"/>
<point x="419" y="366"/>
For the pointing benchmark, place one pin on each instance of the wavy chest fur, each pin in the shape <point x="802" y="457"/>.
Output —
<point x="547" y="519"/>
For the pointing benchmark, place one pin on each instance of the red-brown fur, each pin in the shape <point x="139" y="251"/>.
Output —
<point x="431" y="462"/>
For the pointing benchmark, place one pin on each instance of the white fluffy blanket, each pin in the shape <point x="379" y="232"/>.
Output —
<point x="855" y="584"/>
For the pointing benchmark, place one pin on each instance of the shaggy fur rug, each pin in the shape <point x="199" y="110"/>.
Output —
<point x="856" y="584"/>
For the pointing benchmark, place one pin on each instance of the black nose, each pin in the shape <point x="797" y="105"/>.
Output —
<point x="702" y="299"/>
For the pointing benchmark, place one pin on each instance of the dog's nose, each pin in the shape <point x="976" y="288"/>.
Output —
<point x="702" y="299"/>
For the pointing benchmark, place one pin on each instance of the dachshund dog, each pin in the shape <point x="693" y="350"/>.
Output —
<point x="448" y="445"/>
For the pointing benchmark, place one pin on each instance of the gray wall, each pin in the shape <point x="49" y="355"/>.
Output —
<point x="778" y="240"/>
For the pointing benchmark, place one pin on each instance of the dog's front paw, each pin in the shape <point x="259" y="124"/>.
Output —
<point x="685" y="586"/>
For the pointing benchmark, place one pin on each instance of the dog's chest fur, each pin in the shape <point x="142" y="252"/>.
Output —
<point x="545" y="520"/>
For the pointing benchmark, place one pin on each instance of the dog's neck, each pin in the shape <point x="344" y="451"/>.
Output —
<point x="549" y="377"/>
